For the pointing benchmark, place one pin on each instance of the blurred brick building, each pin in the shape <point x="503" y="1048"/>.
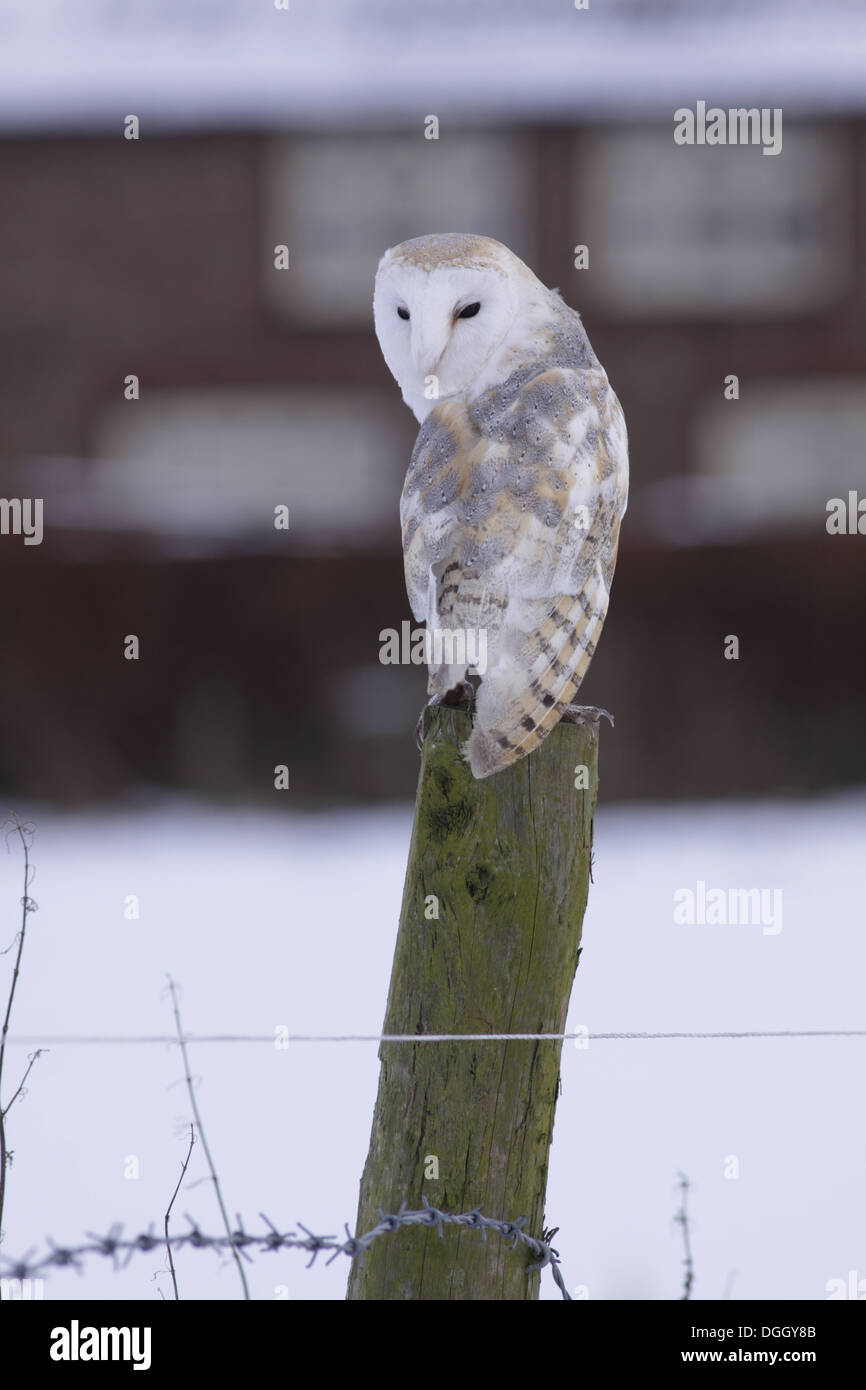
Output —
<point x="258" y="387"/>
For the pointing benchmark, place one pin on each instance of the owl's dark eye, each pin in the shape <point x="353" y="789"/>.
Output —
<point x="469" y="312"/>
<point x="404" y="313"/>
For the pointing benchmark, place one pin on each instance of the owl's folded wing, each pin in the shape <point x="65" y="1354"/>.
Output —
<point x="511" y="515"/>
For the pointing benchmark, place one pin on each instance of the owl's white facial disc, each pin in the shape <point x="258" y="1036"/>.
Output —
<point x="434" y="340"/>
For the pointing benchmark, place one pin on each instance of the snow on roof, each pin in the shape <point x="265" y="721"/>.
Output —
<point x="72" y="64"/>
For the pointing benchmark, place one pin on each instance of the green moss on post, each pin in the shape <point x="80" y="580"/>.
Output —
<point x="505" y="862"/>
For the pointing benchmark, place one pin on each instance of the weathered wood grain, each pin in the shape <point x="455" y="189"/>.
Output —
<point x="507" y="860"/>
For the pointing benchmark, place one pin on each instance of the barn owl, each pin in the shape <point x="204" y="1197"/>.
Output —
<point x="516" y="488"/>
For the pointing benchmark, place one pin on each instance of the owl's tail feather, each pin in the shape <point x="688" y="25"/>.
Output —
<point x="507" y="729"/>
<point x="490" y="751"/>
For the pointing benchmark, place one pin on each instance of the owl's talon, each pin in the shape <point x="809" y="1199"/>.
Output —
<point x="585" y="714"/>
<point x="461" y="694"/>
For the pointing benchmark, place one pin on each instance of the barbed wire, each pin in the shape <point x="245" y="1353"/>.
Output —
<point x="133" y="1039"/>
<point x="120" y="1251"/>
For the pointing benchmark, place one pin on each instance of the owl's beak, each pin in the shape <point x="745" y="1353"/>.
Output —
<point x="427" y="346"/>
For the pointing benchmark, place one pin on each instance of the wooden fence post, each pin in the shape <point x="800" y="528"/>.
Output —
<point x="488" y="942"/>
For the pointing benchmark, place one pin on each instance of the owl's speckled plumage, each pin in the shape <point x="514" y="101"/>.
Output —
<point x="517" y="484"/>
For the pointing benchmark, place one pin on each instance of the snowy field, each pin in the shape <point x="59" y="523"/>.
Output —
<point x="277" y="919"/>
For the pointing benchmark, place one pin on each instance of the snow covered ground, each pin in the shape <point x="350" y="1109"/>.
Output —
<point x="281" y="919"/>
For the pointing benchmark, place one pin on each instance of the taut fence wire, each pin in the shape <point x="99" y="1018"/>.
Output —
<point x="143" y="1039"/>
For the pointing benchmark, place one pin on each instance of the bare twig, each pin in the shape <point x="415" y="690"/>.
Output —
<point x="191" y="1089"/>
<point x="25" y="835"/>
<point x="34" y="1057"/>
<point x="183" y="1169"/>
<point x="682" y="1216"/>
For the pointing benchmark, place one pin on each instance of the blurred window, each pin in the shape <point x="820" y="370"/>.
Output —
<point x="339" y="202"/>
<point x="777" y="456"/>
<point x="719" y="230"/>
<point x="765" y="465"/>
<point x="217" y="462"/>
